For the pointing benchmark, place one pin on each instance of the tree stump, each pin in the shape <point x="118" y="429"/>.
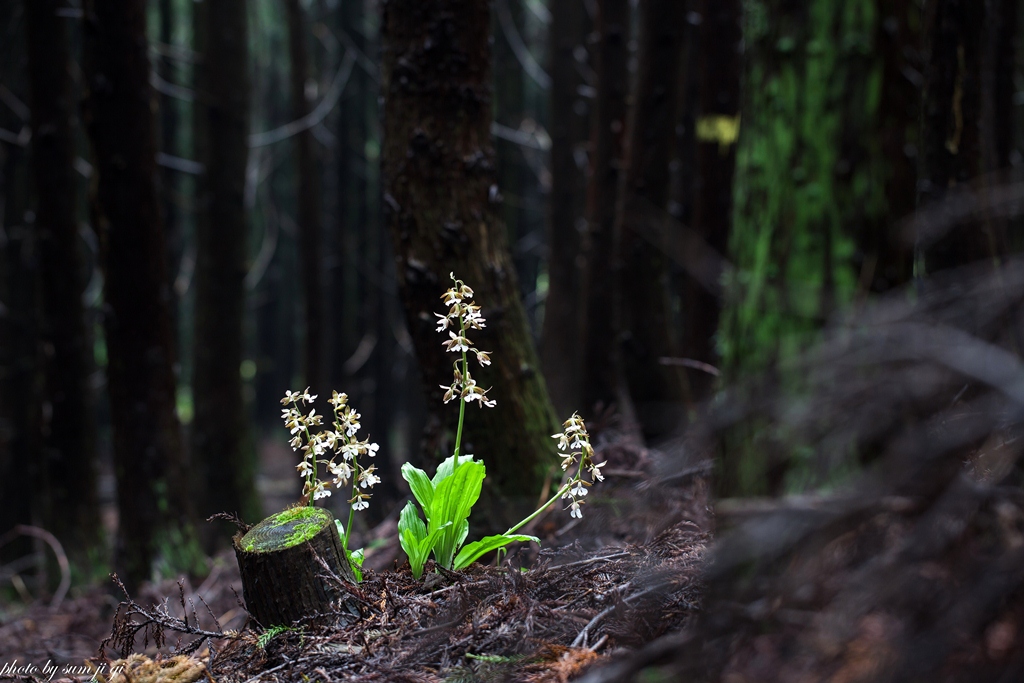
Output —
<point x="283" y="578"/>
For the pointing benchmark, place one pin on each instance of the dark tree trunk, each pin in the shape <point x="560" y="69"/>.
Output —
<point x="718" y="92"/>
<point x="510" y="109"/>
<point x="347" y="286"/>
<point x="658" y="391"/>
<point x="952" y="135"/>
<point x="170" y="181"/>
<point x="438" y="170"/>
<point x="71" y="509"/>
<point x="222" y="447"/>
<point x="561" y="335"/>
<point x="602" y="381"/>
<point x="308" y="201"/>
<point x="20" y="379"/>
<point x="887" y="257"/>
<point x="153" y="501"/>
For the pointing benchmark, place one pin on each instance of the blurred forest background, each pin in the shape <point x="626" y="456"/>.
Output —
<point x="207" y="202"/>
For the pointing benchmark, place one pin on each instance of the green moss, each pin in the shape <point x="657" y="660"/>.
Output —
<point x="286" y="529"/>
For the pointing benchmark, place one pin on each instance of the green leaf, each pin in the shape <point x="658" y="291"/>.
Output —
<point x="421" y="486"/>
<point x="413" y="536"/>
<point x="453" y="499"/>
<point x="477" y="549"/>
<point x="355" y="560"/>
<point x="446" y="468"/>
<point x="411" y="533"/>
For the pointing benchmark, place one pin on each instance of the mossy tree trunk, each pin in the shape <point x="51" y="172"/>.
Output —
<point x="154" y="504"/>
<point x="810" y="192"/>
<point x="602" y="382"/>
<point x="438" y="168"/>
<point x="222" y="447"/>
<point x="658" y="391"/>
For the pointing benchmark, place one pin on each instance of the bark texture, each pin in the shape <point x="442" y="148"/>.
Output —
<point x="155" y="509"/>
<point x="602" y="383"/>
<point x="438" y="168"/>
<point x="561" y="335"/>
<point x="658" y="391"/>
<point x="952" y="134"/>
<point x="222" y="448"/>
<point x="307" y="179"/>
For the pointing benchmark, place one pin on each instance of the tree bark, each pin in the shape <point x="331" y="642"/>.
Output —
<point x="561" y="336"/>
<point x="307" y="188"/>
<point x="153" y="501"/>
<point x="951" y="132"/>
<point x="71" y="509"/>
<point x="438" y="170"/>
<point x="887" y="257"/>
<point x="658" y="392"/>
<point x="603" y="383"/>
<point x="718" y="92"/>
<point x="222" y="446"/>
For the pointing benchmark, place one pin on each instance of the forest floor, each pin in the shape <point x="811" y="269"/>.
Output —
<point x="622" y="576"/>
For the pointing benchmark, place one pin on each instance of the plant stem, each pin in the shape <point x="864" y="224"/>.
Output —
<point x="542" y="508"/>
<point x="462" y="401"/>
<point x="351" y="513"/>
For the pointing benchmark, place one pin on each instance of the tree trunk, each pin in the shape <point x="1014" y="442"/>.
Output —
<point x="20" y="380"/>
<point x="886" y="255"/>
<point x="284" y="561"/>
<point x="170" y="181"/>
<point x="602" y="382"/>
<point x="153" y="501"/>
<point x="308" y="201"/>
<point x="561" y="335"/>
<point x="346" y="285"/>
<point x="222" y="446"/>
<point x="810" y="176"/>
<point x="951" y="136"/>
<point x="717" y="122"/>
<point x="71" y="510"/>
<point x="658" y="391"/>
<point x="438" y="170"/>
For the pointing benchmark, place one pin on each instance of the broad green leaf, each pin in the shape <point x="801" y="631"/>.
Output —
<point x="418" y="549"/>
<point x="410" y="520"/>
<point x="446" y="468"/>
<point x="453" y="499"/>
<point x="477" y="549"/>
<point x="411" y="532"/>
<point x="421" y="486"/>
<point x="463" y="532"/>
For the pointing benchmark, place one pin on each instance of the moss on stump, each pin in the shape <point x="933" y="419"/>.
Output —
<point x="293" y="567"/>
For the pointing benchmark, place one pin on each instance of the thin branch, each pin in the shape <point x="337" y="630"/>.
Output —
<point x="58" y="550"/>
<point x="170" y="89"/>
<point x="314" y="117"/>
<point x="519" y="48"/>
